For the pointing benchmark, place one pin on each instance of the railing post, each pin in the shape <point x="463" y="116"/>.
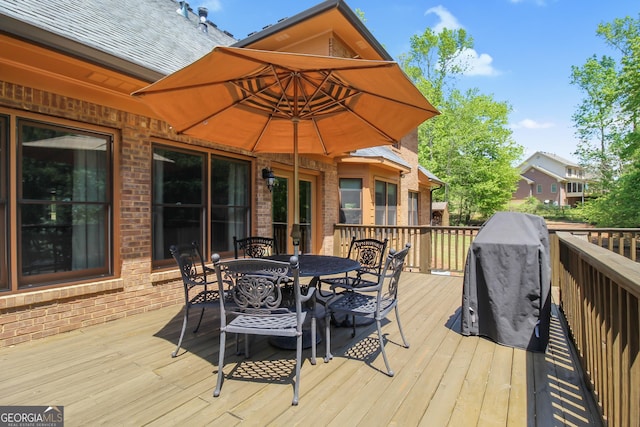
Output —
<point x="337" y="231"/>
<point x="425" y="250"/>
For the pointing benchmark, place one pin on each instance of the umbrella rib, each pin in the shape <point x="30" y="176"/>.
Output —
<point x="318" y="89"/>
<point x="397" y="101"/>
<point x="283" y="89"/>
<point x="335" y="101"/>
<point x="324" y="147"/>
<point x="275" y="108"/>
<point x="247" y="96"/>
<point x="262" y="132"/>
<point x="206" y="118"/>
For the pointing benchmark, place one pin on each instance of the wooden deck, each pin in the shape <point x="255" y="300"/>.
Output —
<point x="121" y="373"/>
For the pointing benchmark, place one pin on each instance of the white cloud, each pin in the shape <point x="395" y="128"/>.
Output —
<point x="531" y="124"/>
<point x="447" y="20"/>
<point x="478" y="64"/>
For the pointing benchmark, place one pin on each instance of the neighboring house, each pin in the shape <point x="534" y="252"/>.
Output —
<point x="94" y="188"/>
<point x="551" y="179"/>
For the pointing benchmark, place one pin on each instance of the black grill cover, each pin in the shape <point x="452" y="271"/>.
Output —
<point x="507" y="282"/>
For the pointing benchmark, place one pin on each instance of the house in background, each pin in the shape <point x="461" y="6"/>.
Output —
<point x="94" y="187"/>
<point x="551" y="179"/>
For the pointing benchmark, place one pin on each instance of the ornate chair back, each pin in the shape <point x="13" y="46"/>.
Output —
<point x="254" y="247"/>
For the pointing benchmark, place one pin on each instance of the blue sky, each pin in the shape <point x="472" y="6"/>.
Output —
<point x="524" y="49"/>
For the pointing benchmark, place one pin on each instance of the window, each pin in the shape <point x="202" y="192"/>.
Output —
<point x="554" y="187"/>
<point x="178" y="199"/>
<point x="180" y="194"/>
<point x="413" y="208"/>
<point x="386" y="203"/>
<point x="230" y="202"/>
<point x="350" y="201"/>
<point x="64" y="203"/>
<point x="574" y="187"/>
<point x="539" y="188"/>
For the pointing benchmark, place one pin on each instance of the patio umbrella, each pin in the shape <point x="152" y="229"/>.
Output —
<point x="280" y="102"/>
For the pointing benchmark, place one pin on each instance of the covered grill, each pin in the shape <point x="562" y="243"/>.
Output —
<point x="507" y="282"/>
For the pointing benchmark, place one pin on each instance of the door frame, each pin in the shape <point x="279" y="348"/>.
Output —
<point x="316" y="218"/>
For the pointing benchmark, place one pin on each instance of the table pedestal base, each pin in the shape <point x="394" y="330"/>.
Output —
<point x="289" y="343"/>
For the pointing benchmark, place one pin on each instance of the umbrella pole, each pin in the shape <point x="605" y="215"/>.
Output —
<point x="295" y="231"/>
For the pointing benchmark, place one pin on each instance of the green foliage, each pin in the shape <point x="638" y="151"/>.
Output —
<point x="597" y="123"/>
<point x="468" y="146"/>
<point x="531" y="205"/>
<point x="607" y="124"/>
<point x="618" y="208"/>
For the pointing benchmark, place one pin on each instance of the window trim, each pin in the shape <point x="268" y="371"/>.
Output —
<point x="410" y="208"/>
<point x="112" y="254"/>
<point x="386" y="182"/>
<point x="208" y="153"/>
<point x="361" y="194"/>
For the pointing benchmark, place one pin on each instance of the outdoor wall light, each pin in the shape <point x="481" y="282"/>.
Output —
<point x="269" y="177"/>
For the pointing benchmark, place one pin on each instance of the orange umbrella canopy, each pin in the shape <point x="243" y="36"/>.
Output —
<point x="279" y="102"/>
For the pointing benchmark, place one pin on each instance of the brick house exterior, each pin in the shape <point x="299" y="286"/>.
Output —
<point x="57" y="73"/>
<point x="551" y="179"/>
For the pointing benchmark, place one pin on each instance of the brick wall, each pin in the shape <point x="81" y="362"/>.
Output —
<point x="136" y="288"/>
<point x="45" y="312"/>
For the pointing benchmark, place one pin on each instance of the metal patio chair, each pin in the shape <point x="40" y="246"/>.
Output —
<point x="264" y="299"/>
<point x="370" y="254"/>
<point x="200" y="289"/>
<point x="373" y="302"/>
<point x="254" y="247"/>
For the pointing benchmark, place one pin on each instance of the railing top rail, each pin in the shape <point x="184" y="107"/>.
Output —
<point x="624" y="271"/>
<point x="593" y="229"/>
<point x="411" y="227"/>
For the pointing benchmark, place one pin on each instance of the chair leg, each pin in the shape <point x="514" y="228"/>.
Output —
<point x="327" y="336"/>
<point x="353" y="322"/>
<point x="216" y="392"/>
<point x="246" y="346"/>
<point x="313" y="339"/>
<point x="184" y="327"/>
<point x="384" y="353"/>
<point x="406" y="343"/>
<point x="199" y="321"/>
<point x="296" y="386"/>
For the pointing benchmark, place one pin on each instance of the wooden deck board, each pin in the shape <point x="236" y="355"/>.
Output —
<point x="121" y="373"/>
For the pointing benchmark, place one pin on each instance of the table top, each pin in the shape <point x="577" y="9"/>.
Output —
<point x="320" y="265"/>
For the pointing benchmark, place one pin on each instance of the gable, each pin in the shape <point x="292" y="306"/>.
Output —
<point x="330" y="28"/>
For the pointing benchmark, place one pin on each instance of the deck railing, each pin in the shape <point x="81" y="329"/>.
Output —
<point x="444" y="249"/>
<point x="623" y="241"/>
<point x="600" y="294"/>
<point x="433" y="249"/>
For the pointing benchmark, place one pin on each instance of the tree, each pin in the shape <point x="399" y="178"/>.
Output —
<point x="596" y="120"/>
<point x="618" y="207"/>
<point x="469" y="145"/>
